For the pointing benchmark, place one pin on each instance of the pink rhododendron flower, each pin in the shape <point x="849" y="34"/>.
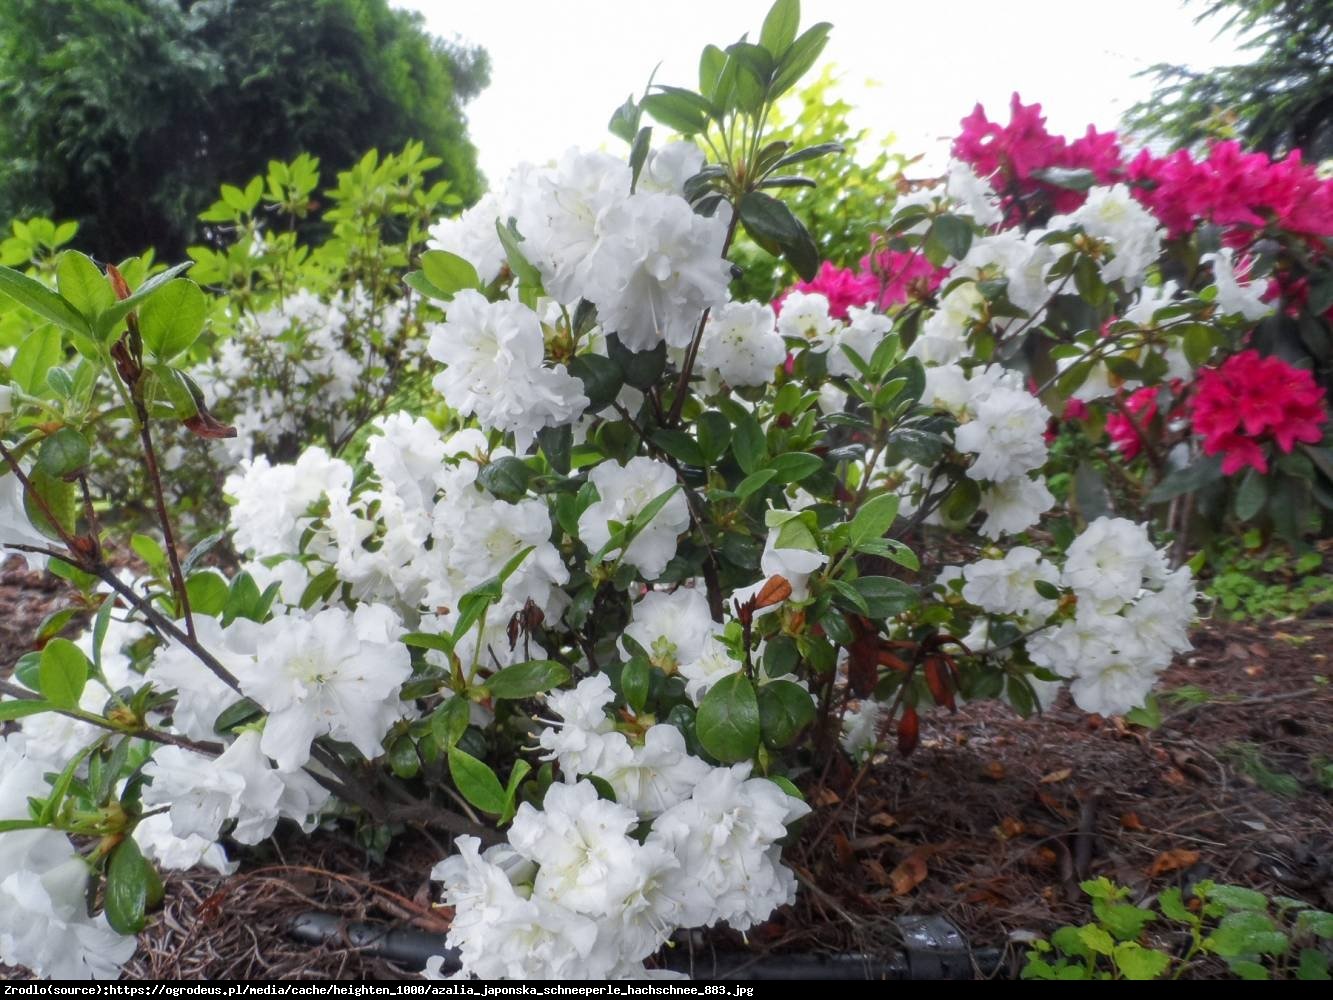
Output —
<point x="1233" y="189"/>
<point x="1142" y="404"/>
<point x="899" y="276"/>
<point x="1250" y="400"/>
<point x="1010" y="155"/>
<point x="842" y="286"/>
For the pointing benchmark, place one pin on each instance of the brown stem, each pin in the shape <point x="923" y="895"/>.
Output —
<point x="686" y="369"/>
<point x="163" y="517"/>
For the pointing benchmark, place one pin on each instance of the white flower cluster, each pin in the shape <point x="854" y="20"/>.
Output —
<point x="576" y="895"/>
<point x="1131" y="612"/>
<point x="302" y="362"/>
<point x="805" y="322"/>
<point x="648" y="263"/>
<point x="44" y="921"/>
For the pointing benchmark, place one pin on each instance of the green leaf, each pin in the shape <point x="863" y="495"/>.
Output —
<point x="873" y="520"/>
<point x="449" y="721"/>
<point x="1172" y="905"/>
<point x="751" y="483"/>
<point x="448" y="273"/>
<point x="640" y="369"/>
<point x="601" y="379"/>
<point x="749" y="445"/>
<point x="476" y="781"/>
<point x="779" y="29"/>
<point x="679" y="109"/>
<point x="1246" y="932"/>
<point x="714" y="431"/>
<point x="172" y="319"/>
<point x="108" y="321"/>
<point x="1313" y="965"/>
<point x="83" y="285"/>
<point x="1237" y="897"/>
<point x="557" y="445"/>
<point x="127" y="885"/>
<point x="727" y="723"/>
<point x="20" y="708"/>
<point x="785" y="708"/>
<point x="794" y="466"/>
<point x="63" y="453"/>
<point x="1139" y="963"/>
<point x="40" y="351"/>
<point x="528" y="276"/>
<point x="523" y="680"/>
<point x="635" y="679"/>
<point x="886" y="596"/>
<point x="32" y="294"/>
<point x="798" y="58"/>
<point x="59" y="498"/>
<point x="679" y="446"/>
<point x="507" y="478"/>
<point x="950" y="234"/>
<point x="624" y="123"/>
<point x="1188" y="480"/>
<point x="1250" y="971"/>
<point x="1096" y="939"/>
<point x="772" y="224"/>
<point x="1251" y="495"/>
<point x="63" y="672"/>
<point x="208" y="592"/>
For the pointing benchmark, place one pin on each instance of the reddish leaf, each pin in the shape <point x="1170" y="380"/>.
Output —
<point x="1172" y="860"/>
<point x="909" y="731"/>
<point x="910" y="874"/>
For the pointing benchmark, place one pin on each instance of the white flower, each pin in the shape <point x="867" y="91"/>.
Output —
<point x="1112" y="214"/>
<point x="494" y="353"/>
<point x="201" y="696"/>
<point x="1016" y="257"/>
<point x="624" y="492"/>
<point x="559" y="214"/>
<point x="159" y="844"/>
<point x="501" y="934"/>
<point x="653" y="777"/>
<point x="741" y="344"/>
<point x="44" y="924"/>
<point x="1234" y="297"/>
<point x="473" y="237"/>
<point x="973" y="194"/>
<point x="15" y="526"/>
<point x="1110" y="561"/>
<point x="656" y="267"/>
<point x="667" y="169"/>
<point x="581" y="845"/>
<point x="239" y="785"/>
<point x="1008" y="585"/>
<point x="860" y="729"/>
<point x="482" y="537"/>
<point x="805" y="317"/>
<point x="407" y="452"/>
<point x="712" y="664"/>
<point x="272" y="500"/>
<point x="863" y="333"/>
<point x="943" y="336"/>
<point x="1006" y="435"/>
<point x="671" y="627"/>
<point x="334" y="673"/>
<point x="1014" y="505"/>
<point x="726" y="837"/>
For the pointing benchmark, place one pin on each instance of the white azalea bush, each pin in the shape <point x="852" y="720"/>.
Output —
<point x="653" y="556"/>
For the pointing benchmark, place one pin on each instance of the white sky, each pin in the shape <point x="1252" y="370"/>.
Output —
<point x="912" y="68"/>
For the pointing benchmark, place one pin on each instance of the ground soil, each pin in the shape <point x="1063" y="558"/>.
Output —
<point x="992" y="822"/>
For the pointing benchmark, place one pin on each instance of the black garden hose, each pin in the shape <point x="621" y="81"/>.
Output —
<point x="933" y="949"/>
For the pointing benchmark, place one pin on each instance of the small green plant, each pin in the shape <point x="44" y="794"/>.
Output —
<point x="1251" y="582"/>
<point x="1257" y="937"/>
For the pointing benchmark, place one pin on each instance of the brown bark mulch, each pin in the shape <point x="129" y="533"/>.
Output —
<point x="992" y="822"/>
